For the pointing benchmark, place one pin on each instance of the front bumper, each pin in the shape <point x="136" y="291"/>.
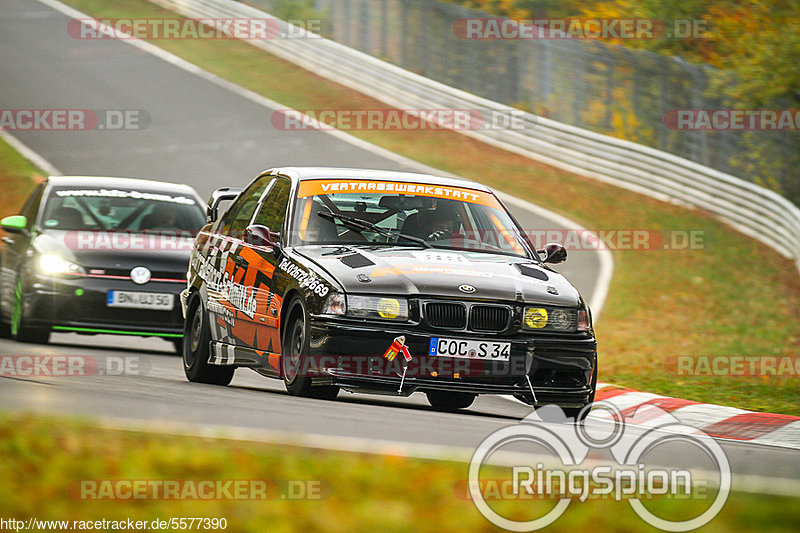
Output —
<point x="80" y="304"/>
<point x="561" y="368"/>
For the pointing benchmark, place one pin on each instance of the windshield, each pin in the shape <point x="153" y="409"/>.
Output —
<point x="115" y="209"/>
<point x="403" y="214"/>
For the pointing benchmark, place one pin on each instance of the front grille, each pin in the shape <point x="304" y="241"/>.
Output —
<point x="489" y="318"/>
<point x="126" y="273"/>
<point x="446" y="315"/>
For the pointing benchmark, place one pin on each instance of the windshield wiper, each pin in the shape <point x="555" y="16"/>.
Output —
<point x="360" y="225"/>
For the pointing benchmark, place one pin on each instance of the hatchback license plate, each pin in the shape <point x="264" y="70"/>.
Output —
<point x="469" y="349"/>
<point x="141" y="300"/>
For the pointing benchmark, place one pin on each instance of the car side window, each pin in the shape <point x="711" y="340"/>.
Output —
<point x="273" y="208"/>
<point x="238" y="215"/>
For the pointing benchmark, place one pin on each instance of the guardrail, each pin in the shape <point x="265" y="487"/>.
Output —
<point x="749" y="208"/>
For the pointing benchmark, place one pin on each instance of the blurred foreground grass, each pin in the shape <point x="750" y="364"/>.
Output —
<point x="41" y="456"/>
<point x="17" y="179"/>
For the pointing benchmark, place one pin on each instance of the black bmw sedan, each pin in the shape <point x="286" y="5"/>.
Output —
<point x="384" y="282"/>
<point x="97" y="255"/>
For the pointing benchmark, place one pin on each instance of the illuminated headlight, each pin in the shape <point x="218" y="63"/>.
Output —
<point x="52" y="264"/>
<point x="335" y="304"/>
<point x="380" y="308"/>
<point x="550" y="318"/>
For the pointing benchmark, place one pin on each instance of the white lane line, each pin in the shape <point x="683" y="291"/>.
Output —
<point x="741" y="482"/>
<point x="606" y="262"/>
<point x="307" y="440"/>
<point x="30" y="154"/>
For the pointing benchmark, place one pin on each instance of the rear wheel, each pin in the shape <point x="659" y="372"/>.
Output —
<point x="295" y="349"/>
<point x="449" y="401"/>
<point x="21" y="330"/>
<point x="196" y="349"/>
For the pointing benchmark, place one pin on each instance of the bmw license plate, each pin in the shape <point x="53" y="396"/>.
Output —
<point x="469" y="349"/>
<point x="141" y="300"/>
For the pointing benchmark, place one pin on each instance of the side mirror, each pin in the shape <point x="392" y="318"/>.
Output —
<point x="217" y="197"/>
<point x="15" y="224"/>
<point x="258" y="235"/>
<point x="553" y="253"/>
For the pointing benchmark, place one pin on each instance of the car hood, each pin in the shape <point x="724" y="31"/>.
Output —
<point x="118" y="251"/>
<point x="431" y="272"/>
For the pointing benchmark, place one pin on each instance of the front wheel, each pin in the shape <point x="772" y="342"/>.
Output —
<point x="196" y="349"/>
<point x="449" y="401"/>
<point x="21" y="330"/>
<point x="293" y="360"/>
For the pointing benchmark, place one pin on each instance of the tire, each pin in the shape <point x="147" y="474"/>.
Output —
<point x="450" y="401"/>
<point x="178" y="344"/>
<point x="21" y="331"/>
<point x="196" y="349"/>
<point x="580" y="413"/>
<point x="295" y="347"/>
<point x="576" y="413"/>
<point x="5" y="327"/>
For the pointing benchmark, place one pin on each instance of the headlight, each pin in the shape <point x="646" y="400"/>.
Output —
<point x="335" y="304"/>
<point x="52" y="264"/>
<point x="584" y="319"/>
<point x="381" y="308"/>
<point x="551" y="318"/>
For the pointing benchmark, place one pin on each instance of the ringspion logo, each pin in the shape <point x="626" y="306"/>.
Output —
<point x="569" y="477"/>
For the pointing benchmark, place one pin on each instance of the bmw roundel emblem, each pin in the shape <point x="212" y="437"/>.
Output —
<point x="469" y="289"/>
<point x="140" y="275"/>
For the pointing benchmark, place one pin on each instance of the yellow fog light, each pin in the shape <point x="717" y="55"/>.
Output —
<point x="388" y="308"/>
<point x="535" y="317"/>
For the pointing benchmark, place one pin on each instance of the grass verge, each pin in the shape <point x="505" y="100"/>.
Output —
<point x="729" y="298"/>
<point x="42" y="459"/>
<point x="17" y="179"/>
